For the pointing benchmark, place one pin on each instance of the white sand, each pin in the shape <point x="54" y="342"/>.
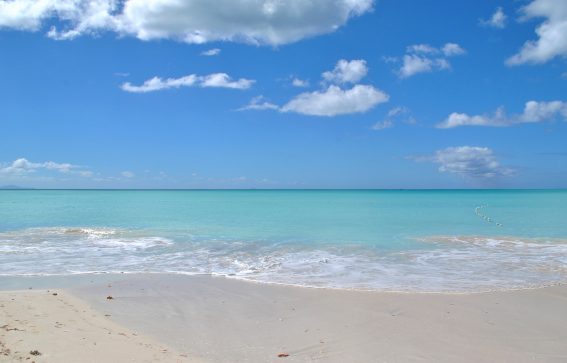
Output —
<point x="64" y="329"/>
<point x="223" y="320"/>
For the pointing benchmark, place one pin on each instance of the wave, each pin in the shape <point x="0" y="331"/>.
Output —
<point x="437" y="263"/>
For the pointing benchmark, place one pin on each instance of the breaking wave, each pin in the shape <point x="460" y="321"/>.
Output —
<point x="436" y="263"/>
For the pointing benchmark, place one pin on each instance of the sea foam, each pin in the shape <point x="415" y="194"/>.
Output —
<point x="436" y="263"/>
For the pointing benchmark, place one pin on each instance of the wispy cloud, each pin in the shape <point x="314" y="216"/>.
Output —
<point x="296" y="82"/>
<point x="211" y="52"/>
<point x="23" y="166"/>
<point x="534" y="112"/>
<point x="259" y="103"/>
<point x="382" y="125"/>
<point x="395" y="115"/>
<point x="497" y="20"/>
<point x="219" y="80"/>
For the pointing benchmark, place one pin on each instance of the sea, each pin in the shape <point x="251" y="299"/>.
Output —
<point x="386" y="240"/>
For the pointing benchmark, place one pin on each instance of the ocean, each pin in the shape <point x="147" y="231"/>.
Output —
<point x="389" y="240"/>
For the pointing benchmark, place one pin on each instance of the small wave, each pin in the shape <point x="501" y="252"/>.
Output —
<point x="437" y="263"/>
<point x="95" y="232"/>
<point x="132" y="243"/>
<point x="498" y="241"/>
<point x="72" y="240"/>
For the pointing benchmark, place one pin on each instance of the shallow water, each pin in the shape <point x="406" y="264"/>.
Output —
<point x="384" y="240"/>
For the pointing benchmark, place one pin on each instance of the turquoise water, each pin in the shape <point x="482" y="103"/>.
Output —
<point x="385" y="240"/>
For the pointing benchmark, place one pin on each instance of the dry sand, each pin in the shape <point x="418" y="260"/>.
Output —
<point x="52" y="326"/>
<point x="223" y="320"/>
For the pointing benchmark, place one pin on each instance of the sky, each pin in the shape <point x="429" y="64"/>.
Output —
<point x="283" y="94"/>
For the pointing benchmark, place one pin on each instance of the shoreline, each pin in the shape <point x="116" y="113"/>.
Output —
<point x="16" y="280"/>
<point x="217" y="319"/>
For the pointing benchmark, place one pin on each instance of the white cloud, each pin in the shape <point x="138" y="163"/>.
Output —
<point x="534" y="111"/>
<point x="157" y="84"/>
<point x="23" y="166"/>
<point x="382" y="125"/>
<point x="332" y="100"/>
<point x="347" y="71"/>
<point x="193" y="21"/>
<point x="452" y="49"/>
<point x="221" y="80"/>
<point x="422" y="48"/>
<point x="469" y="161"/>
<point x="552" y="39"/>
<point x="296" y="82"/>
<point x="398" y="111"/>
<point x="258" y="103"/>
<point x="414" y="64"/>
<point x="423" y="58"/>
<point x="542" y="111"/>
<point x="394" y="116"/>
<point x="128" y="174"/>
<point x="497" y="20"/>
<point x="335" y="101"/>
<point x="211" y="52"/>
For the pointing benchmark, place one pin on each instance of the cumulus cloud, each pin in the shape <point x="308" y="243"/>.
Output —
<point x="552" y="39"/>
<point x="193" y="21"/>
<point x="424" y="58"/>
<point x="497" y="20"/>
<point x="335" y="101"/>
<point x="533" y="112"/>
<point x="470" y="161"/>
<point x="220" y="80"/>
<point x="347" y="71"/>
<point x="23" y="166"/>
<point x="414" y="64"/>
<point x="211" y="52"/>
<point x="332" y="100"/>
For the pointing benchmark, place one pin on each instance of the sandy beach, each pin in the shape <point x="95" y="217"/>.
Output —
<point x="53" y="326"/>
<point x="175" y="318"/>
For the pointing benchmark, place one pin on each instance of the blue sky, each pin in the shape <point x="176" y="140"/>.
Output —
<point x="283" y="94"/>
